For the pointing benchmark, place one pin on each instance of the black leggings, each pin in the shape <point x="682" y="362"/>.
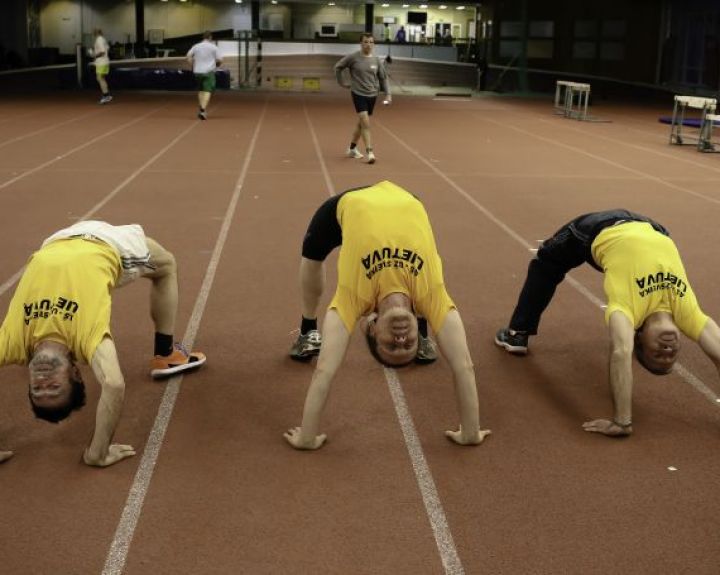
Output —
<point x="324" y="233"/>
<point x="568" y="248"/>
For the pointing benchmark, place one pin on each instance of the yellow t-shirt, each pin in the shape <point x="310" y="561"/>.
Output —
<point x="63" y="296"/>
<point x="387" y="247"/>
<point x="644" y="275"/>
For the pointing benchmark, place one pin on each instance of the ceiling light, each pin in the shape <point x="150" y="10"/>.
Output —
<point x="442" y="7"/>
<point x="423" y="6"/>
<point x="385" y="5"/>
<point x="460" y="8"/>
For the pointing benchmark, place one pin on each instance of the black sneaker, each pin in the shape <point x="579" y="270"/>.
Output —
<point x="202" y="114"/>
<point x="515" y="342"/>
<point x="306" y="346"/>
<point x="426" y="352"/>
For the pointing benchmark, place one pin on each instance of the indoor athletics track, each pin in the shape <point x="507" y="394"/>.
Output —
<point x="214" y="488"/>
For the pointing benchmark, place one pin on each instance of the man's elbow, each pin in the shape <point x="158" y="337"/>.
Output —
<point x="620" y="352"/>
<point x="114" y="386"/>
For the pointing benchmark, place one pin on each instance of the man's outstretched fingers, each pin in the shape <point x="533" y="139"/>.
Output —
<point x="457" y="437"/>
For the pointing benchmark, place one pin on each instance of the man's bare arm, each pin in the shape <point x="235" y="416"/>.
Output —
<point x="622" y="336"/>
<point x="453" y="345"/>
<point x="106" y="367"/>
<point x="332" y="353"/>
<point x="710" y="342"/>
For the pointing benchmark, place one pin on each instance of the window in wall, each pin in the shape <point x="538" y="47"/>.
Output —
<point x="510" y="48"/>
<point x="540" y="43"/>
<point x="542" y="29"/>
<point x="584" y="50"/>
<point x="612" y="45"/>
<point x="585" y="29"/>
<point x="612" y="50"/>
<point x="511" y="29"/>
<point x="585" y="41"/>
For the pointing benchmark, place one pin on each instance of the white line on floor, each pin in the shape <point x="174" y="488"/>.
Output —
<point x="683" y="372"/>
<point x="117" y="555"/>
<point x="433" y="506"/>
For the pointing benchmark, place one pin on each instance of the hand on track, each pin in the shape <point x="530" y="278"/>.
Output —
<point x="462" y="438"/>
<point x="294" y="438"/>
<point x="116" y="452"/>
<point x="607" y="427"/>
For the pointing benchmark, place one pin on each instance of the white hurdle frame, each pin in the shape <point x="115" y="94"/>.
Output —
<point x="707" y="107"/>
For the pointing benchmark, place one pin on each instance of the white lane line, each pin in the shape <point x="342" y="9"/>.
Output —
<point x="683" y="372"/>
<point x="323" y="167"/>
<point x="433" y="506"/>
<point x="653" y="151"/>
<point x="75" y="149"/>
<point x="18" y="274"/>
<point x="603" y="160"/>
<point x="117" y="555"/>
<point x="431" y="498"/>
<point x="46" y="129"/>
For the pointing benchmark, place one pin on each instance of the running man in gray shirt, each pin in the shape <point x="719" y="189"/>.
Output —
<point x="367" y="79"/>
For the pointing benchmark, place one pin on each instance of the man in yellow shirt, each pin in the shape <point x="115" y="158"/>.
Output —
<point x="649" y="300"/>
<point x="59" y="316"/>
<point x="389" y="272"/>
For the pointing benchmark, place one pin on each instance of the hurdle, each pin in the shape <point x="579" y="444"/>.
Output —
<point x="571" y="93"/>
<point x="705" y="143"/>
<point x="707" y="107"/>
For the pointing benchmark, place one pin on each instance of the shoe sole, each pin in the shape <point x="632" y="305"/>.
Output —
<point x="305" y="356"/>
<point x="371" y="161"/>
<point x="167" y="372"/>
<point x="514" y="349"/>
<point x="425" y="360"/>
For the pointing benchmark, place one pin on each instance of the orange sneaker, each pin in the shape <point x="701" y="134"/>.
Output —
<point x="179" y="360"/>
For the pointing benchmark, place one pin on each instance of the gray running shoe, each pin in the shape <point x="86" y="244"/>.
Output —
<point x="353" y="153"/>
<point x="426" y="351"/>
<point x="515" y="343"/>
<point x="306" y="346"/>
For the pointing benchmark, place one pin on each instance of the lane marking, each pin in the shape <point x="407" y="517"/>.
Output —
<point x="679" y="369"/>
<point x="642" y="148"/>
<point x="431" y="498"/>
<point x="46" y="129"/>
<point x="76" y="149"/>
<point x="423" y="476"/>
<point x="18" y="274"/>
<point x="640" y="173"/>
<point x="117" y="555"/>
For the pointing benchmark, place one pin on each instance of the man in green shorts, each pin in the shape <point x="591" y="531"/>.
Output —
<point x="389" y="272"/>
<point x="205" y="58"/>
<point x="59" y="317"/>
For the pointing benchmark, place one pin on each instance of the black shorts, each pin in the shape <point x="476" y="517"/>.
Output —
<point x="324" y="233"/>
<point x="364" y="103"/>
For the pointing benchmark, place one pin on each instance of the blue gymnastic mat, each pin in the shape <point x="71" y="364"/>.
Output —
<point x="692" y="122"/>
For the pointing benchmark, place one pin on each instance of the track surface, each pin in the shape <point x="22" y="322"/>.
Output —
<point x="232" y="197"/>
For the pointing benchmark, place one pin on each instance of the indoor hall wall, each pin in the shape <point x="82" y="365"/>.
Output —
<point x="614" y="38"/>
